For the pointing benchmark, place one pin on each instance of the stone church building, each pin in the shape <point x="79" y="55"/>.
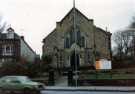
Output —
<point x="77" y="42"/>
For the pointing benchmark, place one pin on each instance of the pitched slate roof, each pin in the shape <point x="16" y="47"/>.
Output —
<point x="77" y="12"/>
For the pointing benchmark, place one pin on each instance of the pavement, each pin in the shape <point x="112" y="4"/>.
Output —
<point x="84" y="92"/>
<point x="92" y="88"/>
<point x="62" y="81"/>
<point x="61" y="85"/>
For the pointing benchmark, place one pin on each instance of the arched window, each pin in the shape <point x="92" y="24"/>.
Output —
<point x="8" y="49"/>
<point x="82" y="42"/>
<point x="72" y="37"/>
<point x="78" y="37"/>
<point x="67" y="43"/>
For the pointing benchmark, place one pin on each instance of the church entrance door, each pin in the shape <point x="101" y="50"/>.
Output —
<point x="74" y="61"/>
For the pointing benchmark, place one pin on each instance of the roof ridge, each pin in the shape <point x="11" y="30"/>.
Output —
<point x="71" y="11"/>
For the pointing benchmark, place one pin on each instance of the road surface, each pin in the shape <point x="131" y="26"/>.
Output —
<point x="84" y="92"/>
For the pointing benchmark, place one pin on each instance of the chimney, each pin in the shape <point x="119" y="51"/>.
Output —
<point x="91" y="21"/>
<point x="58" y="24"/>
<point x="22" y="37"/>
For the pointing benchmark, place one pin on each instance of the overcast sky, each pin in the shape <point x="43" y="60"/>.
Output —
<point x="35" y="19"/>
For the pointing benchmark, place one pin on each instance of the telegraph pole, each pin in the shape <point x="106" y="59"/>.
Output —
<point x="75" y="32"/>
<point x="73" y="3"/>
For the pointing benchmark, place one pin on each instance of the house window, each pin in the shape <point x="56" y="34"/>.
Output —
<point x="72" y="37"/>
<point x="78" y="36"/>
<point x="82" y="42"/>
<point x="7" y="50"/>
<point x="75" y="36"/>
<point x="67" y="43"/>
<point x="10" y="35"/>
<point x="1" y="50"/>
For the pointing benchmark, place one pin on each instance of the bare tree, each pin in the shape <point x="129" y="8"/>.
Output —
<point x="132" y="25"/>
<point x="122" y="41"/>
<point x="126" y="42"/>
<point x="2" y="24"/>
<point x="117" y="38"/>
<point x="132" y="31"/>
<point x="2" y="28"/>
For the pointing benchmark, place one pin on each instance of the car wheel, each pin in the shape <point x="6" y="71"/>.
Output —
<point x="35" y="92"/>
<point x="27" y="91"/>
<point x="2" y="91"/>
<point x="12" y="92"/>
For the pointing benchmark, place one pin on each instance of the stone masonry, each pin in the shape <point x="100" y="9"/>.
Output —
<point x="77" y="39"/>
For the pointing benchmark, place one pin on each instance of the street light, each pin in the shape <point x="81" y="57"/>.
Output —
<point x="76" y="67"/>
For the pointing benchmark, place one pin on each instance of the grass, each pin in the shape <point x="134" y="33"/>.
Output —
<point x="113" y="74"/>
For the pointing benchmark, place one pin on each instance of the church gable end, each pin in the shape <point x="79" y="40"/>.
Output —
<point x="76" y="36"/>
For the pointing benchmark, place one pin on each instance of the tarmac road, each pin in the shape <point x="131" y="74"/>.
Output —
<point x="84" y="92"/>
<point x="77" y="92"/>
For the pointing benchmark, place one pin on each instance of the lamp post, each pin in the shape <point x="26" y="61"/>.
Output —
<point x="75" y="35"/>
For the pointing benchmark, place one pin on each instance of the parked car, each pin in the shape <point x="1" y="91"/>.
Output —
<point x="21" y="84"/>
